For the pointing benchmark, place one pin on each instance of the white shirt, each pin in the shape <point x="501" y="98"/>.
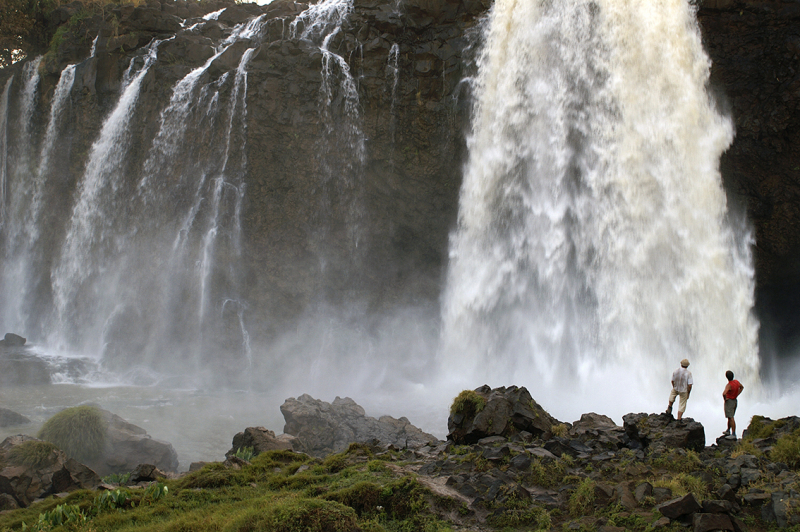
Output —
<point x="682" y="378"/>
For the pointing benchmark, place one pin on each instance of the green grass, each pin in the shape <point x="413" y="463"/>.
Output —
<point x="787" y="450"/>
<point x="35" y="454"/>
<point x="79" y="431"/>
<point x="467" y="403"/>
<point x="271" y="494"/>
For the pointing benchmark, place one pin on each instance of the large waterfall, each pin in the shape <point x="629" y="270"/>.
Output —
<point x="594" y="249"/>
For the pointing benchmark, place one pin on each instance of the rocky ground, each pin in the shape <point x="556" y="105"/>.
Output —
<point x="507" y="464"/>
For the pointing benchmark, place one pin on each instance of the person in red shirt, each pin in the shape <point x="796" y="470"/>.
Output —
<point x="729" y="395"/>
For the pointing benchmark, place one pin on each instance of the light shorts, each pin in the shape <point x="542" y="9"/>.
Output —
<point x="730" y="407"/>
<point x="684" y="397"/>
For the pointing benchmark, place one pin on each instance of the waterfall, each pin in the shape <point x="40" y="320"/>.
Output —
<point x="4" y="149"/>
<point x="91" y="236"/>
<point x="393" y="69"/>
<point x="342" y="150"/>
<point x="593" y="243"/>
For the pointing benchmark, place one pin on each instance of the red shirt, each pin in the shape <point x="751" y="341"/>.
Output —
<point x="734" y="390"/>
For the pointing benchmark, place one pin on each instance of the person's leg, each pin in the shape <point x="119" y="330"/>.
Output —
<point x="672" y="395"/>
<point x="682" y="405"/>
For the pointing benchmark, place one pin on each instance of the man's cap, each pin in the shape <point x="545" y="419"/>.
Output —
<point x="685" y="363"/>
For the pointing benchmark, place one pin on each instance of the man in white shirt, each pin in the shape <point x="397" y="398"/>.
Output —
<point x="681" y="387"/>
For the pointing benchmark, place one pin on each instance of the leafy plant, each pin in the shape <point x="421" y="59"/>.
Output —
<point x="244" y="453"/>
<point x="113" y="499"/>
<point x="117" y="478"/>
<point x="79" y="431"/>
<point x="63" y="514"/>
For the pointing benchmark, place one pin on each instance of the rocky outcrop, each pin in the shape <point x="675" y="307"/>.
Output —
<point x="127" y="446"/>
<point x="9" y="418"/>
<point x="259" y="440"/>
<point x="53" y="473"/>
<point x="322" y="428"/>
<point x="506" y="411"/>
<point x="20" y="367"/>
<point x="660" y="431"/>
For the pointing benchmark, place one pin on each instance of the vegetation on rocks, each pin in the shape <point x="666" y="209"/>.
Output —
<point x="79" y="431"/>
<point x="467" y="403"/>
<point x="33" y="454"/>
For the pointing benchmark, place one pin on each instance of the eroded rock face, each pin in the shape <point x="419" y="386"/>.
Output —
<point x="664" y="432"/>
<point x="322" y="428"/>
<point x="507" y="411"/>
<point x="57" y="474"/>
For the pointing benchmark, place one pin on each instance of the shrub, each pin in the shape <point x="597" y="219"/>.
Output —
<point x="467" y="403"/>
<point x="559" y="430"/>
<point x="787" y="450"/>
<point x="33" y="454"/>
<point x="582" y="499"/>
<point x="80" y="432"/>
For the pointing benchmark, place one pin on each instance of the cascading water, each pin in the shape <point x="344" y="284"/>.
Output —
<point x="4" y="148"/>
<point x="342" y="151"/>
<point x="593" y="246"/>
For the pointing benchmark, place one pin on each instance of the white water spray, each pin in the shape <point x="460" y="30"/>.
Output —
<point x="592" y="248"/>
<point x="4" y="149"/>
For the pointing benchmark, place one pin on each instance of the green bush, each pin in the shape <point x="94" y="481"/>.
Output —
<point x="34" y="454"/>
<point x="244" y="453"/>
<point x="787" y="450"/>
<point x="79" y="431"/>
<point x="467" y="403"/>
<point x="582" y="499"/>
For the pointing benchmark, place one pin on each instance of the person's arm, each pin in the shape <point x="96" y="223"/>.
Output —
<point x="688" y="390"/>
<point x="726" y="390"/>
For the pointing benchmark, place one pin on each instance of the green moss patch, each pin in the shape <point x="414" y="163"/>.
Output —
<point x="35" y="454"/>
<point x="80" y="432"/>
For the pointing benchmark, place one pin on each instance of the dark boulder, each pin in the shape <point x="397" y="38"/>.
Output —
<point x="663" y="431"/>
<point x="505" y="412"/>
<point x="12" y="340"/>
<point x="679" y="507"/>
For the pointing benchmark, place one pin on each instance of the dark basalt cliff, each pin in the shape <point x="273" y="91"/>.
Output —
<point x="313" y="235"/>
<point x="754" y="48"/>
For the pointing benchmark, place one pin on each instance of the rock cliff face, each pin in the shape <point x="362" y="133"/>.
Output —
<point x="346" y="132"/>
<point x="754" y="47"/>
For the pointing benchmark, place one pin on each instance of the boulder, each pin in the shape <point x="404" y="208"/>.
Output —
<point x="54" y="473"/>
<point x="146" y="473"/>
<point x="679" y="507"/>
<point x="663" y="431"/>
<point x="707" y="522"/>
<point x="9" y="418"/>
<point x="322" y="428"/>
<point x="12" y="340"/>
<point x="128" y="445"/>
<point x="259" y="439"/>
<point x="507" y="411"/>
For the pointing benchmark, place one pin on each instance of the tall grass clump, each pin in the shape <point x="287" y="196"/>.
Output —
<point x="79" y="431"/>
<point x="787" y="450"/>
<point x="33" y="454"/>
<point x="467" y="403"/>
